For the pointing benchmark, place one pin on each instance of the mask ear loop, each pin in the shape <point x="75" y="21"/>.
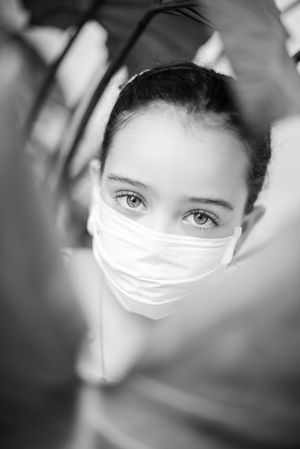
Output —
<point x="229" y="252"/>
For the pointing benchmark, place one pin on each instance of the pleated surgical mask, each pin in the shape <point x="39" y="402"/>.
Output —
<point x="148" y="271"/>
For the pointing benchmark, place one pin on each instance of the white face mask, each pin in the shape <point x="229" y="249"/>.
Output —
<point x="149" y="271"/>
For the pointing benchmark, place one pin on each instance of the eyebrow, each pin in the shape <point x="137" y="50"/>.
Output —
<point x="212" y="201"/>
<point x="132" y="182"/>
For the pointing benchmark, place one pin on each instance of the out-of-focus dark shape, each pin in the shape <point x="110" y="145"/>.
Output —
<point x="268" y="85"/>
<point x="254" y="39"/>
<point x="44" y="142"/>
<point x="296" y="57"/>
<point x="126" y="33"/>
<point x="161" y="42"/>
<point x="41" y="325"/>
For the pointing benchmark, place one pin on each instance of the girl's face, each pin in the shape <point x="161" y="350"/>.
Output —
<point x="176" y="175"/>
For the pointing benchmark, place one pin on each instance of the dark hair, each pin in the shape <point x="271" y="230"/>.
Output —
<point x="199" y="91"/>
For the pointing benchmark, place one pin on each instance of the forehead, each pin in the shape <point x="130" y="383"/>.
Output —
<point x="165" y="145"/>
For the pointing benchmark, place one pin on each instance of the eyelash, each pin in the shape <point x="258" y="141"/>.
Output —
<point x="210" y="216"/>
<point x="127" y="193"/>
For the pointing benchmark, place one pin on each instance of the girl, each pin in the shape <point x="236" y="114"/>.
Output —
<point x="174" y="199"/>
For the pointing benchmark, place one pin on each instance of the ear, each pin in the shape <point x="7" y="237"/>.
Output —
<point x="248" y="223"/>
<point x="95" y="173"/>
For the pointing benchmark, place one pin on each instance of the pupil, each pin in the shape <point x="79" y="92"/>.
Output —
<point x="133" y="201"/>
<point x="200" y="218"/>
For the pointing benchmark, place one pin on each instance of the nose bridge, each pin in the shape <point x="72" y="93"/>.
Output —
<point x="160" y="220"/>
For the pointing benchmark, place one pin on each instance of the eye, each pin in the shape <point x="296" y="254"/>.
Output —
<point x="129" y="201"/>
<point x="133" y="201"/>
<point x="201" y="219"/>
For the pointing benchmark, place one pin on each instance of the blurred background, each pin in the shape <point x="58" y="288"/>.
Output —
<point x="233" y="381"/>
